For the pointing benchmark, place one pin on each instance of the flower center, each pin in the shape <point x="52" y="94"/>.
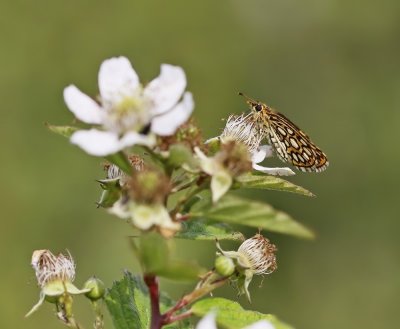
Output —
<point x="130" y="114"/>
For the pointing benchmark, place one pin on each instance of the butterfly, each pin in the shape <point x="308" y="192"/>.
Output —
<point x="291" y="144"/>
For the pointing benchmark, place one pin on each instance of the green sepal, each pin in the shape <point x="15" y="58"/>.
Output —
<point x="111" y="192"/>
<point x="65" y="131"/>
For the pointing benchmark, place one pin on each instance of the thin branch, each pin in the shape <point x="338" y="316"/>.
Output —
<point x="168" y="317"/>
<point x="156" y="318"/>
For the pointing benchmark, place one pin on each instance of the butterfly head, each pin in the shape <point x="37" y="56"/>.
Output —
<point x="254" y="105"/>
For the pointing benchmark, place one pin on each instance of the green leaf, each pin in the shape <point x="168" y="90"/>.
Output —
<point x="154" y="253"/>
<point x="128" y="303"/>
<point x="269" y="183"/>
<point x="65" y="131"/>
<point x="203" y="230"/>
<point x="231" y="315"/>
<point x="236" y="210"/>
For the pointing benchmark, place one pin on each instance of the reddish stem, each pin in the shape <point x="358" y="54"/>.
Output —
<point x="179" y="317"/>
<point x="156" y="318"/>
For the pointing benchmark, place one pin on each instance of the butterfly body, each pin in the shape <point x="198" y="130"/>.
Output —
<point x="291" y="144"/>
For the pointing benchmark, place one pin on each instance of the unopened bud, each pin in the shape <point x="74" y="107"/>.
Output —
<point x="97" y="288"/>
<point x="224" y="266"/>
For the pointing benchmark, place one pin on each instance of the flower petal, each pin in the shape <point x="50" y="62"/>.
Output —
<point x="168" y="123"/>
<point x="262" y="324"/>
<point x="102" y="143"/>
<point x="262" y="152"/>
<point x="165" y="90"/>
<point x="207" y="322"/>
<point x="82" y="106"/>
<point x="220" y="184"/>
<point x="145" y="216"/>
<point x="117" y="80"/>
<point x="208" y="165"/>
<point x="285" y="171"/>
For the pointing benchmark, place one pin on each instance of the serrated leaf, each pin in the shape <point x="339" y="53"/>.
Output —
<point x="201" y="230"/>
<point x="231" y="315"/>
<point x="128" y="303"/>
<point x="65" y="131"/>
<point x="236" y="210"/>
<point x="269" y="183"/>
<point x="154" y="253"/>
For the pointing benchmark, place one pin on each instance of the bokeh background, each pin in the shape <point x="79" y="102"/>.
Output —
<point x="332" y="66"/>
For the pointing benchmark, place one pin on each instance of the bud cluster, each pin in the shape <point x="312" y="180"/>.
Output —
<point x="188" y="134"/>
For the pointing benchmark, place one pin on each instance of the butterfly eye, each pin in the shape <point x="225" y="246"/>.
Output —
<point x="258" y="107"/>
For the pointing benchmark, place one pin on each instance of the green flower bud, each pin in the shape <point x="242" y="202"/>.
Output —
<point x="224" y="266"/>
<point x="97" y="288"/>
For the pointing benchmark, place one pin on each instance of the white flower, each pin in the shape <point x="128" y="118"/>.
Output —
<point x="240" y="128"/>
<point x="208" y="322"/>
<point x="127" y="109"/>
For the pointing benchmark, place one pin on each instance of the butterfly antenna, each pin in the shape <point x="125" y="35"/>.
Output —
<point x="248" y="99"/>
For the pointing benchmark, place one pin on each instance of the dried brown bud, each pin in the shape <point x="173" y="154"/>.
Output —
<point x="259" y="254"/>
<point x="188" y="134"/>
<point x="235" y="157"/>
<point x="149" y="187"/>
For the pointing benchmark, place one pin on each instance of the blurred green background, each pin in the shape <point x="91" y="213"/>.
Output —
<point x="332" y="66"/>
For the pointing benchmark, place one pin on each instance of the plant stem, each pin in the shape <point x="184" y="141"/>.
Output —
<point x="156" y="318"/>
<point x="187" y="197"/>
<point x="98" y="321"/>
<point x="199" y="292"/>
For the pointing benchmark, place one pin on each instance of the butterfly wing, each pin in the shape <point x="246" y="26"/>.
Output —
<point x="293" y="145"/>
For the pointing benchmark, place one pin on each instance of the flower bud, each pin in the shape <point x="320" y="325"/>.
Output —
<point x="97" y="288"/>
<point x="224" y="266"/>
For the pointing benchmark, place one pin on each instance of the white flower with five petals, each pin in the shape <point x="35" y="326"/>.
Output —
<point x="126" y="109"/>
